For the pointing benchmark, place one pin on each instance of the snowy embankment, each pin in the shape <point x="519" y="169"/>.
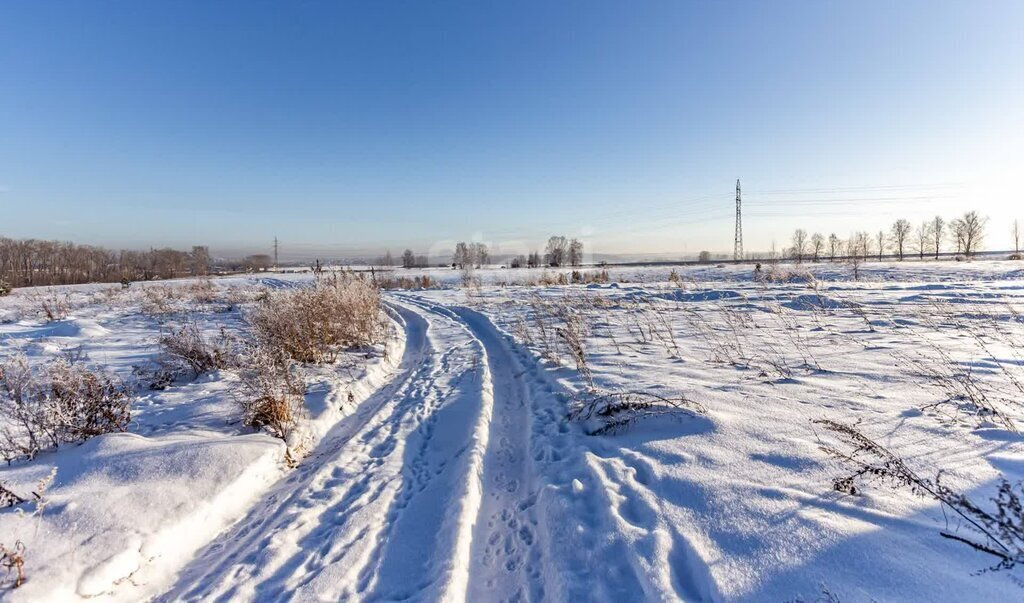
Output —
<point x="125" y="511"/>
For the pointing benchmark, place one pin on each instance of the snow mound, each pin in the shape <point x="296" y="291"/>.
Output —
<point x="137" y="504"/>
<point x="816" y="302"/>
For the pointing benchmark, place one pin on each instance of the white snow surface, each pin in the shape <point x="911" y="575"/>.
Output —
<point x="454" y="474"/>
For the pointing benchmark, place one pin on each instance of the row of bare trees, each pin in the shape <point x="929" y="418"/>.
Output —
<point x="470" y="255"/>
<point x="563" y="252"/>
<point x="29" y="262"/>
<point x="965" y="234"/>
<point x="559" y="251"/>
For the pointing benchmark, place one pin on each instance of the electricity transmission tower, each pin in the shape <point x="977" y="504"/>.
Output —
<point x="275" y="253"/>
<point x="737" y="250"/>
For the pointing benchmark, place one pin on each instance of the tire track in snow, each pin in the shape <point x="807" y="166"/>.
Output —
<point x="506" y="558"/>
<point x="369" y="514"/>
<point x="549" y="528"/>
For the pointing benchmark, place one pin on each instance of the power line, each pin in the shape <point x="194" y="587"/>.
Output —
<point x="737" y="248"/>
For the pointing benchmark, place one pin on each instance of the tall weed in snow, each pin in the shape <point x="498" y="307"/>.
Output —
<point x="41" y="408"/>
<point x="982" y="374"/>
<point x="559" y="325"/>
<point x="768" y="340"/>
<point x="997" y="530"/>
<point x="13" y="558"/>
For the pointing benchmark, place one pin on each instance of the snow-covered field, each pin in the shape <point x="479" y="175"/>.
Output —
<point x="445" y="467"/>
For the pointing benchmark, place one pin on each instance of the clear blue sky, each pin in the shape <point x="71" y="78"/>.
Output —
<point x="351" y="126"/>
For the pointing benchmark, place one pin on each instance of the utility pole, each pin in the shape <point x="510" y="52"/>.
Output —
<point x="737" y="250"/>
<point x="275" y="253"/>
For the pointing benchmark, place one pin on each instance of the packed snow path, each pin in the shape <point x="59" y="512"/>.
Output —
<point x="417" y="495"/>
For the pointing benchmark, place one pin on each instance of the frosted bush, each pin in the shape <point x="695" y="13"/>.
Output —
<point x="271" y="392"/>
<point x="314" y="324"/>
<point x="41" y="408"/>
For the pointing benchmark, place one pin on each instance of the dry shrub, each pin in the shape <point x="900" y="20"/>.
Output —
<point x="584" y="278"/>
<point x="779" y="274"/>
<point x="272" y="390"/>
<point x="158" y="299"/>
<point x="614" y="411"/>
<point x="202" y="291"/>
<point x="236" y="295"/>
<point x="109" y="295"/>
<point x="5" y="288"/>
<point x="314" y="324"/>
<point x="185" y="350"/>
<point x="63" y="402"/>
<point x="53" y="306"/>
<point x="405" y="282"/>
<point x="552" y="278"/>
<point x="998" y="531"/>
<point x="14" y="560"/>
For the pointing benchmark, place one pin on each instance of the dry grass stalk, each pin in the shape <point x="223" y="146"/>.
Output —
<point x="615" y="411"/>
<point x="998" y="532"/>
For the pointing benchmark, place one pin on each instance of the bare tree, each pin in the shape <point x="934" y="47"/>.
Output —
<point x="555" y="252"/>
<point x="478" y="254"/>
<point x="817" y="246"/>
<point x="463" y="256"/>
<point x="938" y="229"/>
<point x="799" y="244"/>
<point x="408" y="259"/>
<point x="900" y="232"/>
<point x="863" y="245"/>
<point x="575" y="253"/>
<point x="835" y="245"/>
<point x="1016" y="238"/>
<point x="201" y="260"/>
<point x="259" y="262"/>
<point x="881" y="240"/>
<point x="969" y="231"/>
<point x="534" y="260"/>
<point x="857" y="251"/>
<point x="922" y="237"/>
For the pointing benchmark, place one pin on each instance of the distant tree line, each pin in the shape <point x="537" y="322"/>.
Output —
<point x="31" y="262"/>
<point x="408" y="259"/>
<point x="963" y="235"/>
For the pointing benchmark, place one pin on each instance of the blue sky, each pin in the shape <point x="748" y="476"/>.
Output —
<point x="344" y="127"/>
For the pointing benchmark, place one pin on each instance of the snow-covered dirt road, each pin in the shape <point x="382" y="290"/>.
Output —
<point x="425" y="493"/>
